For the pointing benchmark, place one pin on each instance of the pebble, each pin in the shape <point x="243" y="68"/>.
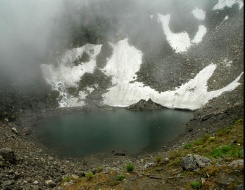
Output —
<point x="14" y="130"/>
<point x="35" y="182"/>
<point x="50" y="183"/>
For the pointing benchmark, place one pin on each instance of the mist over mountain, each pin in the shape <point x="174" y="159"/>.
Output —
<point x="64" y="53"/>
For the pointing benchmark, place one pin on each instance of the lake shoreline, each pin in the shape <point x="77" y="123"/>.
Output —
<point x="37" y="163"/>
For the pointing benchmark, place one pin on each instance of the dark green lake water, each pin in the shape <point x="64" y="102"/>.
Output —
<point x="120" y="131"/>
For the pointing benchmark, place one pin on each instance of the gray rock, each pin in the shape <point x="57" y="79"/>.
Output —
<point x="35" y="182"/>
<point x="50" y="183"/>
<point x="239" y="187"/>
<point x="8" y="155"/>
<point x="224" y="181"/>
<point x="74" y="176"/>
<point x="14" y="130"/>
<point x="206" y="117"/>
<point x="6" y="184"/>
<point x="194" y="162"/>
<point x="145" y="105"/>
<point x="201" y="161"/>
<point x="236" y="164"/>
<point x="148" y="165"/>
<point x="27" y="131"/>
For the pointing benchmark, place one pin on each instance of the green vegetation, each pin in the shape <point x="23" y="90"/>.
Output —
<point x="130" y="167"/>
<point x="227" y="150"/>
<point x="187" y="146"/>
<point x="99" y="169"/>
<point x="158" y="159"/>
<point x="89" y="175"/>
<point x="120" y="177"/>
<point x="66" y="179"/>
<point x="196" y="185"/>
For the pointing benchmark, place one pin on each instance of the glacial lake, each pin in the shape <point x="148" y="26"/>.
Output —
<point x="120" y="131"/>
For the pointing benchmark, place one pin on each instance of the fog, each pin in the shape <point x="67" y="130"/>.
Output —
<point x="32" y="31"/>
<point x="26" y="30"/>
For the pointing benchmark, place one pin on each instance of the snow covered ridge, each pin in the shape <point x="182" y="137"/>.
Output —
<point x="227" y="3"/>
<point x="122" y="67"/>
<point x="181" y="42"/>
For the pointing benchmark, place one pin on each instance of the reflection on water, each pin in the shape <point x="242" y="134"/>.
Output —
<point x="121" y="130"/>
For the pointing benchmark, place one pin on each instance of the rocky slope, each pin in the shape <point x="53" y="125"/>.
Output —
<point x="26" y="164"/>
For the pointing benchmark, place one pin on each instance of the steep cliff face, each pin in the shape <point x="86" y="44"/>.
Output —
<point x="181" y="55"/>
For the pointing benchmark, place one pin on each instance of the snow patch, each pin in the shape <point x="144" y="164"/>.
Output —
<point x="126" y="55"/>
<point x="122" y="67"/>
<point x="126" y="60"/>
<point x="90" y="89"/>
<point x="227" y="3"/>
<point x="66" y="74"/>
<point x="199" y="13"/>
<point x="199" y="35"/>
<point x="180" y="42"/>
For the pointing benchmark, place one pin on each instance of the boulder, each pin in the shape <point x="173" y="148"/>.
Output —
<point x="8" y="155"/>
<point x="194" y="162"/>
<point x="237" y="164"/>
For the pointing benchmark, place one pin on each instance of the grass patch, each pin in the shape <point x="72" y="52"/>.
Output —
<point x="227" y="150"/>
<point x="130" y="167"/>
<point x="89" y="175"/>
<point x="188" y="146"/>
<point x="99" y="169"/>
<point x="120" y="177"/>
<point x="196" y="185"/>
<point x="158" y="159"/>
<point x="66" y="179"/>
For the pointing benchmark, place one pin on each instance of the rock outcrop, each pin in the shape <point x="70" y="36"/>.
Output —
<point x="145" y="105"/>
